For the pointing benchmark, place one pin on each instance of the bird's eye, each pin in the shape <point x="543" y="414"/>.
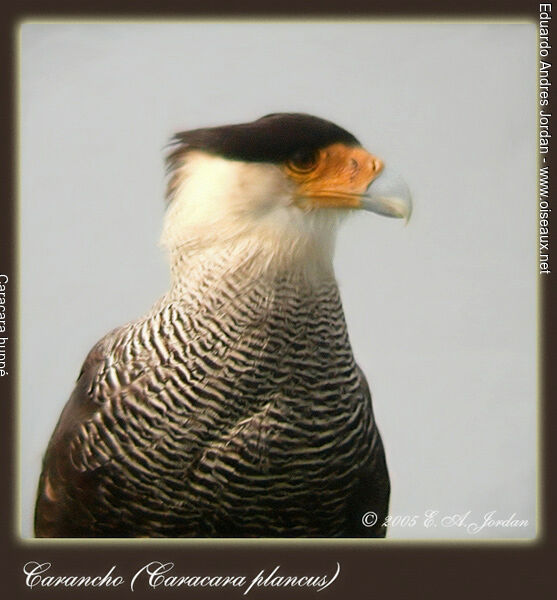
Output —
<point x="303" y="161"/>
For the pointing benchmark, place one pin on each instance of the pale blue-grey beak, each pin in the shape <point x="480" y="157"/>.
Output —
<point x="388" y="195"/>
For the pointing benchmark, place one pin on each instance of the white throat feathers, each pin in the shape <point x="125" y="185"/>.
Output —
<point x="246" y="212"/>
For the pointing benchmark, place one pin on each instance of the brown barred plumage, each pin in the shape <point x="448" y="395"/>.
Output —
<point x="248" y="418"/>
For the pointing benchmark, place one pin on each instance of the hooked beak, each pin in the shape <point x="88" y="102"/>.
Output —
<point x="388" y="195"/>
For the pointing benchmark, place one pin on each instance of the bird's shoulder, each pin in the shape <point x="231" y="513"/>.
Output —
<point x="121" y="369"/>
<point x="84" y="401"/>
<point x="71" y="472"/>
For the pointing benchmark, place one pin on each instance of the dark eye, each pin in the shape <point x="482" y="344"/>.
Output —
<point x="303" y="161"/>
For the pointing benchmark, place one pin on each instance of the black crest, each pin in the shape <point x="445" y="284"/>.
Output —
<point x="273" y="138"/>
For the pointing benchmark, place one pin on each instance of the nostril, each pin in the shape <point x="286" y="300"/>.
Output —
<point x="377" y="165"/>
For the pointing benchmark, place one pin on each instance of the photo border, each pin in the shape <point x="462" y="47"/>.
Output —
<point x="386" y="568"/>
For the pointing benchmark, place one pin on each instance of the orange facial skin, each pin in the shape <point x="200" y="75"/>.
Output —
<point x="335" y="177"/>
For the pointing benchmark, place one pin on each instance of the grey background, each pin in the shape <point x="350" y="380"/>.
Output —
<point x="442" y="313"/>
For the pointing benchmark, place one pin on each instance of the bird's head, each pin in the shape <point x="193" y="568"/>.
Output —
<point x="282" y="182"/>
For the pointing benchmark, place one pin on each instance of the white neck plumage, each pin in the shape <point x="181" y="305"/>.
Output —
<point x="241" y="216"/>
